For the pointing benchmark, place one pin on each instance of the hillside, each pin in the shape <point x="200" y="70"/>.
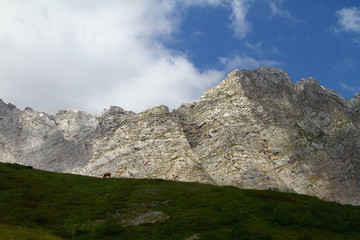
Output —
<point x="36" y="204"/>
<point x="255" y="130"/>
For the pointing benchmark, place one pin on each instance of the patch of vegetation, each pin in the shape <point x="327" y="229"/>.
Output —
<point x="311" y="139"/>
<point x="304" y="134"/>
<point x="343" y="124"/>
<point x="235" y="145"/>
<point x="10" y="232"/>
<point x="174" y="158"/>
<point x="42" y="205"/>
<point x="230" y="96"/>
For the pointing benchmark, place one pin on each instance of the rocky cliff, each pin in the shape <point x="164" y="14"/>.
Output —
<point x="256" y="129"/>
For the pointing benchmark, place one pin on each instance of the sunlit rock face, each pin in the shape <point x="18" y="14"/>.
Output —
<point x="256" y="130"/>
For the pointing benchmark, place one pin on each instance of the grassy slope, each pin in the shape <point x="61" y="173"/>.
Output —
<point x="55" y="206"/>
<point x="10" y="232"/>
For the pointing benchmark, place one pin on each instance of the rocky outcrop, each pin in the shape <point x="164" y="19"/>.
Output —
<point x="256" y="129"/>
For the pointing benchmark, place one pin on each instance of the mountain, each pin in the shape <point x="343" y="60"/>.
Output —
<point x="255" y="130"/>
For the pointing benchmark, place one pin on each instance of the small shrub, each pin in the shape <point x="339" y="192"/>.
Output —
<point x="167" y="231"/>
<point x="258" y="235"/>
<point x="78" y="232"/>
<point x="16" y="166"/>
<point x="306" y="220"/>
<point x="304" y="236"/>
<point x="239" y="230"/>
<point x="29" y="195"/>
<point x="42" y="218"/>
<point x="219" y="234"/>
<point x="285" y="214"/>
<point x="4" y="186"/>
<point x="109" y="230"/>
<point x="334" y="217"/>
<point x="63" y="233"/>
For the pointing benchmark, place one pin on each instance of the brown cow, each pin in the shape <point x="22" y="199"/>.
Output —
<point x="107" y="175"/>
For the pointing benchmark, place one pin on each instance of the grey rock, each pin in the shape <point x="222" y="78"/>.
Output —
<point x="148" y="217"/>
<point x="256" y="129"/>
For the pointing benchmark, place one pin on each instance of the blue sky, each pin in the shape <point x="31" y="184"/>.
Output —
<point x="302" y="37"/>
<point x="136" y="54"/>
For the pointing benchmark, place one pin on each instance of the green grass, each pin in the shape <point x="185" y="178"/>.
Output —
<point x="42" y="205"/>
<point x="9" y="232"/>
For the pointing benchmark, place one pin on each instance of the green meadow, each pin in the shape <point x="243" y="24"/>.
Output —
<point x="37" y="204"/>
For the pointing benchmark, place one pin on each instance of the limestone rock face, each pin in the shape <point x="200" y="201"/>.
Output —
<point x="256" y="129"/>
<point x="150" y="144"/>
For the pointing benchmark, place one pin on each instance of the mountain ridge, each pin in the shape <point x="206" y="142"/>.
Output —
<point x="256" y="129"/>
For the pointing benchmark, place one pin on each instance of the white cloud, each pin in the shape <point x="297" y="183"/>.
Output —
<point x="346" y="64"/>
<point x="239" y="24"/>
<point x="349" y="88"/>
<point x="239" y="9"/>
<point x="349" y="19"/>
<point x="257" y="48"/>
<point x="276" y="10"/>
<point x="238" y="62"/>
<point x="260" y="50"/>
<point x="93" y="54"/>
<point x="201" y="3"/>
